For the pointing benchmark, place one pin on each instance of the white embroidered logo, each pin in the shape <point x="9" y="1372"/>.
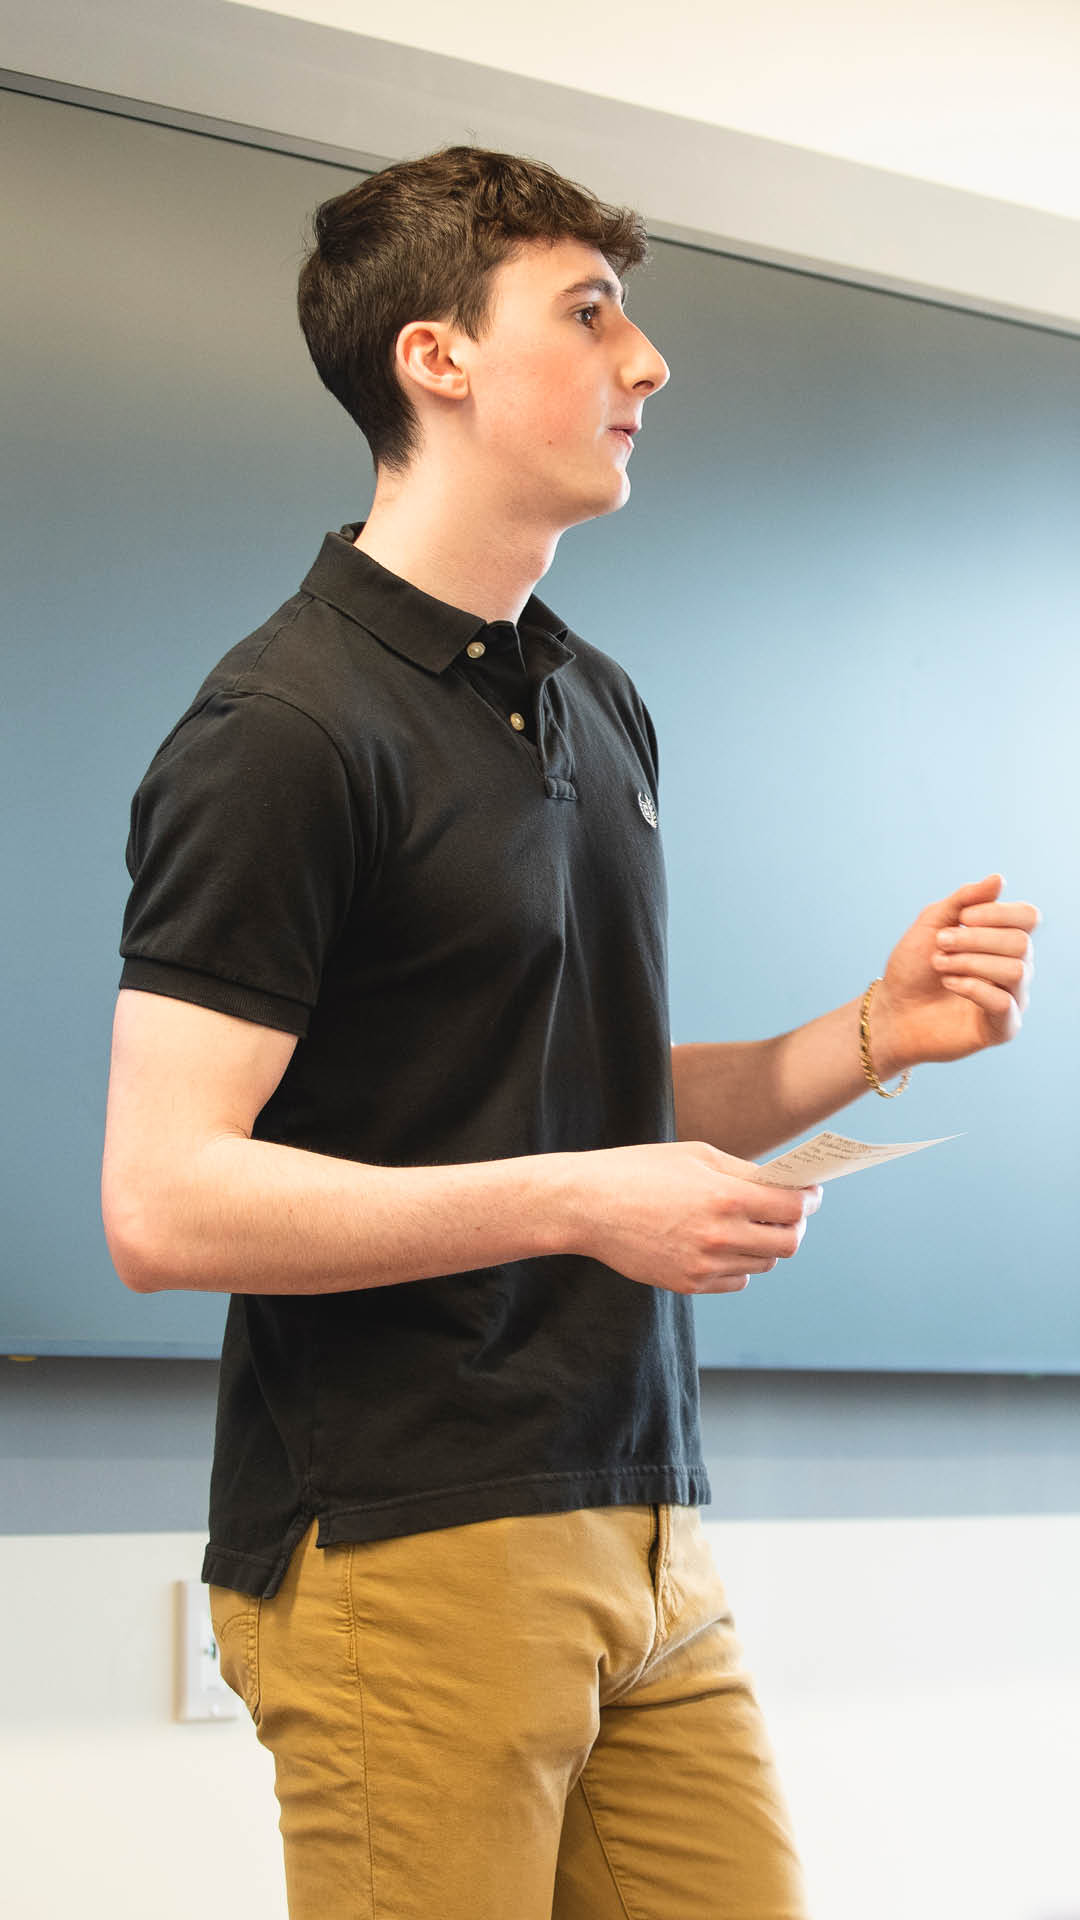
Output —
<point x="647" y="808"/>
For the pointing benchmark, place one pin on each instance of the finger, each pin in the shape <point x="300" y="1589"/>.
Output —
<point x="750" y="1240"/>
<point x="775" y="1206"/>
<point x="726" y="1282"/>
<point x="994" y="1001"/>
<point x="1002" y="913"/>
<point x="1007" y="940"/>
<point x="977" y="892"/>
<point x="771" y="1243"/>
<point x="945" y="913"/>
<point x="1013" y="974"/>
<point x="810" y="1198"/>
<point x="723" y="1282"/>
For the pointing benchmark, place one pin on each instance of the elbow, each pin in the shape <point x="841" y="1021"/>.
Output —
<point x="138" y="1245"/>
<point x="134" y="1256"/>
<point x="137" y="1279"/>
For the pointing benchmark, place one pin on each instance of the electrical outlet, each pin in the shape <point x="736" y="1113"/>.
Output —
<point x="201" y="1693"/>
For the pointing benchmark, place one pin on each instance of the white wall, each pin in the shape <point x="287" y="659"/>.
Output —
<point x="921" y="1678"/>
<point x="971" y="94"/>
<point x="112" y="1808"/>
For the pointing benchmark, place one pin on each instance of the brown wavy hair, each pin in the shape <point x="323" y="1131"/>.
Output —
<point x="420" y="240"/>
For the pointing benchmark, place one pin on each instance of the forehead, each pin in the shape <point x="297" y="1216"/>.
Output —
<point x="545" y="271"/>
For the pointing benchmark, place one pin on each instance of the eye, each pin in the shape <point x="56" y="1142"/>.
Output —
<point x="580" y="310"/>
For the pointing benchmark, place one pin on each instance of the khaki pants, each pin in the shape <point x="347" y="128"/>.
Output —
<point x="536" y="1718"/>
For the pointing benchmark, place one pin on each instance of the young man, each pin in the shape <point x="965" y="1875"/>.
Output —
<point x="391" y="1066"/>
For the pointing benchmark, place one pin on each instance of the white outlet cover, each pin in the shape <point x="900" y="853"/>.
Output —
<point x="201" y="1693"/>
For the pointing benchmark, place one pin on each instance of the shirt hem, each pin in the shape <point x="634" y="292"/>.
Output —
<point x="672" y="1484"/>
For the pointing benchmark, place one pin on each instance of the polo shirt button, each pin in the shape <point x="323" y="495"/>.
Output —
<point x="476" y="649"/>
<point x="517" y="722"/>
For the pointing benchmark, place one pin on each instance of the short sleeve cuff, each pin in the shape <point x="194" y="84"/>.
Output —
<point x="220" y="996"/>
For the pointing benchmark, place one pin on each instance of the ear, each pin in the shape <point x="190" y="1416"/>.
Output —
<point x="425" y="354"/>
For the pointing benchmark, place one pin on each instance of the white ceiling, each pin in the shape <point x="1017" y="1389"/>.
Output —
<point x="976" y="94"/>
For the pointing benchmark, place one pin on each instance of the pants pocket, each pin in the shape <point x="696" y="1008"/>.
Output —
<point x="235" y="1619"/>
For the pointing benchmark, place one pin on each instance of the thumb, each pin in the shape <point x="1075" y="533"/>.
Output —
<point x="730" y="1163"/>
<point x="945" y="913"/>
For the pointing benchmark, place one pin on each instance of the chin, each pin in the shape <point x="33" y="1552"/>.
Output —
<point x="607" y="500"/>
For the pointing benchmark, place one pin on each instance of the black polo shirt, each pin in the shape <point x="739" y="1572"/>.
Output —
<point x="427" y="845"/>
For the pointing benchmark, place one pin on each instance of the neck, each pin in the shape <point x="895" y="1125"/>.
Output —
<point x="457" y="541"/>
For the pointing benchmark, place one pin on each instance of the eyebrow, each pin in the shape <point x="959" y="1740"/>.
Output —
<point x="608" y="288"/>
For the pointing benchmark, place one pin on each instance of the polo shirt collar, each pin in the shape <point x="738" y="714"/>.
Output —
<point x="427" y="631"/>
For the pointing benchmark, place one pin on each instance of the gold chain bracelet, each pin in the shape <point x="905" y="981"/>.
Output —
<point x="864" y="1047"/>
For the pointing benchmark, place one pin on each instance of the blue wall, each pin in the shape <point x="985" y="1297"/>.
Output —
<point x="847" y="583"/>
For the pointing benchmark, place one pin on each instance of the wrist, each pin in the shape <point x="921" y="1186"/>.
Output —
<point x="890" y="1051"/>
<point x="557" y="1203"/>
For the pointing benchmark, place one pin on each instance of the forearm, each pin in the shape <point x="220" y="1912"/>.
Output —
<point x="749" y="1097"/>
<point x="250" y="1216"/>
<point x="191" y="1200"/>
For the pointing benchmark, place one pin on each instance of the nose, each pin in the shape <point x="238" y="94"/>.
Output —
<point x="645" y="368"/>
